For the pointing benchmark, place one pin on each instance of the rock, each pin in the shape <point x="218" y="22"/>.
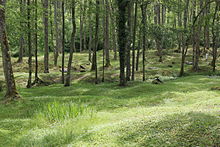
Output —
<point x="157" y="81"/>
<point x="82" y="67"/>
<point x="152" y="68"/>
<point x="189" y="63"/>
<point x="215" y="88"/>
<point x="65" y="70"/>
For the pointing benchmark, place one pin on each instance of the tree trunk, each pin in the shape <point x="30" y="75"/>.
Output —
<point x="46" y="46"/>
<point x="122" y="38"/>
<point x="11" y="93"/>
<point x="128" y="44"/>
<point x="214" y="38"/>
<point x="114" y="36"/>
<point x="143" y="10"/>
<point x="134" y="41"/>
<point x="68" y="78"/>
<point x="51" y="30"/>
<point x="138" y="50"/>
<point x="90" y="32"/>
<point x="56" y="54"/>
<point x="85" y="25"/>
<point x="29" y="84"/>
<point x="36" y="44"/>
<point x="184" y="43"/>
<point x="21" y="48"/>
<point x="94" y="58"/>
<point x="63" y="43"/>
<point x="107" y="44"/>
<point x="81" y="26"/>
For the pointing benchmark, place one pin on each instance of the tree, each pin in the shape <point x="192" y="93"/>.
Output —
<point x="184" y="43"/>
<point x="134" y="41"/>
<point x="57" y="31"/>
<point x="122" y="38"/>
<point x="46" y="46"/>
<point x="107" y="43"/>
<point x="29" y="84"/>
<point x="72" y="47"/>
<point x="37" y="79"/>
<point x="143" y="10"/>
<point x="63" y="42"/>
<point x="21" y="48"/>
<point x="96" y="41"/>
<point x="11" y="93"/>
<point x="215" y="35"/>
<point x="128" y="42"/>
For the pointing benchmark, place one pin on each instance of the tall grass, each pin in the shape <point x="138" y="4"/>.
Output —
<point x="56" y="111"/>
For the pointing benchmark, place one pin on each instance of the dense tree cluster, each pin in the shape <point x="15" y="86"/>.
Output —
<point x="69" y="26"/>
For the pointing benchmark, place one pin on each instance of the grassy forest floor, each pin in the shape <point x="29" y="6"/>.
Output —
<point x="180" y="112"/>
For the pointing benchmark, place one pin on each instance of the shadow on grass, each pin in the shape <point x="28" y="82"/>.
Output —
<point x="191" y="129"/>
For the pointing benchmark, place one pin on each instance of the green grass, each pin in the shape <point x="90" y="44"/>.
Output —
<point x="180" y="112"/>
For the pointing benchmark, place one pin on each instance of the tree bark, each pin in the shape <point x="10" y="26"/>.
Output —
<point x="81" y="25"/>
<point x="107" y="44"/>
<point x="122" y="38"/>
<point x="29" y="84"/>
<point x="184" y="43"/>
<point x="134" y="42"/>
<point x="128" y="43"/>
<point x="46" y="46"/>
<point x="143" y="10"/>
<point x="63" y="42"/>
<point x="11" y="93"/>
<point x="68" y="77"/>
<point x="114" y="36"/>
<point x="94" y="58"/>
<point x="36" y="44"/>
<point x="21" y="48"/>
<point x="56" y="54"/>
<point x="138" y="50"/>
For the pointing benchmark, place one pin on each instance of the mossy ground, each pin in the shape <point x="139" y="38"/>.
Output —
<point x="180" y="112"/>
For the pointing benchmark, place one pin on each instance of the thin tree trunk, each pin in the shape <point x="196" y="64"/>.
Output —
<point x="114" y="38"/>
<point x="184" y="43"/>
<point x="81" y="26"/>
<point x="94" y="58"/>
<point x="29" y="84"/>
<point x="90" y="32"/>
<point x="51" y="30"/>
<point x="104" y="39"/>
<point x="85" y="25"/>
<point x="36" y="44"/>
<point x="68" y="78"/>
<point x="134" y="41"/>
<point x="11" y="93"/>
<point x="46" y="46"/>
<point x="63" y="43"/>
<point x="138" y="50"/>
<point x="107" y="44"/>
<point x="143" y="9"/>
<point x="214" y="39"/>
<point x="56" y="54"/>
<point x="122" y="39"/>
<point x="128" y="44"/>
<point x="21" y="48"/>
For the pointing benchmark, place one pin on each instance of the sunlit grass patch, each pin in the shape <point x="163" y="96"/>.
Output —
<point x="56" y="111"/>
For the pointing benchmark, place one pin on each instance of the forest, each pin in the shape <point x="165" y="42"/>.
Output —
<point x="109" y="73"/>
